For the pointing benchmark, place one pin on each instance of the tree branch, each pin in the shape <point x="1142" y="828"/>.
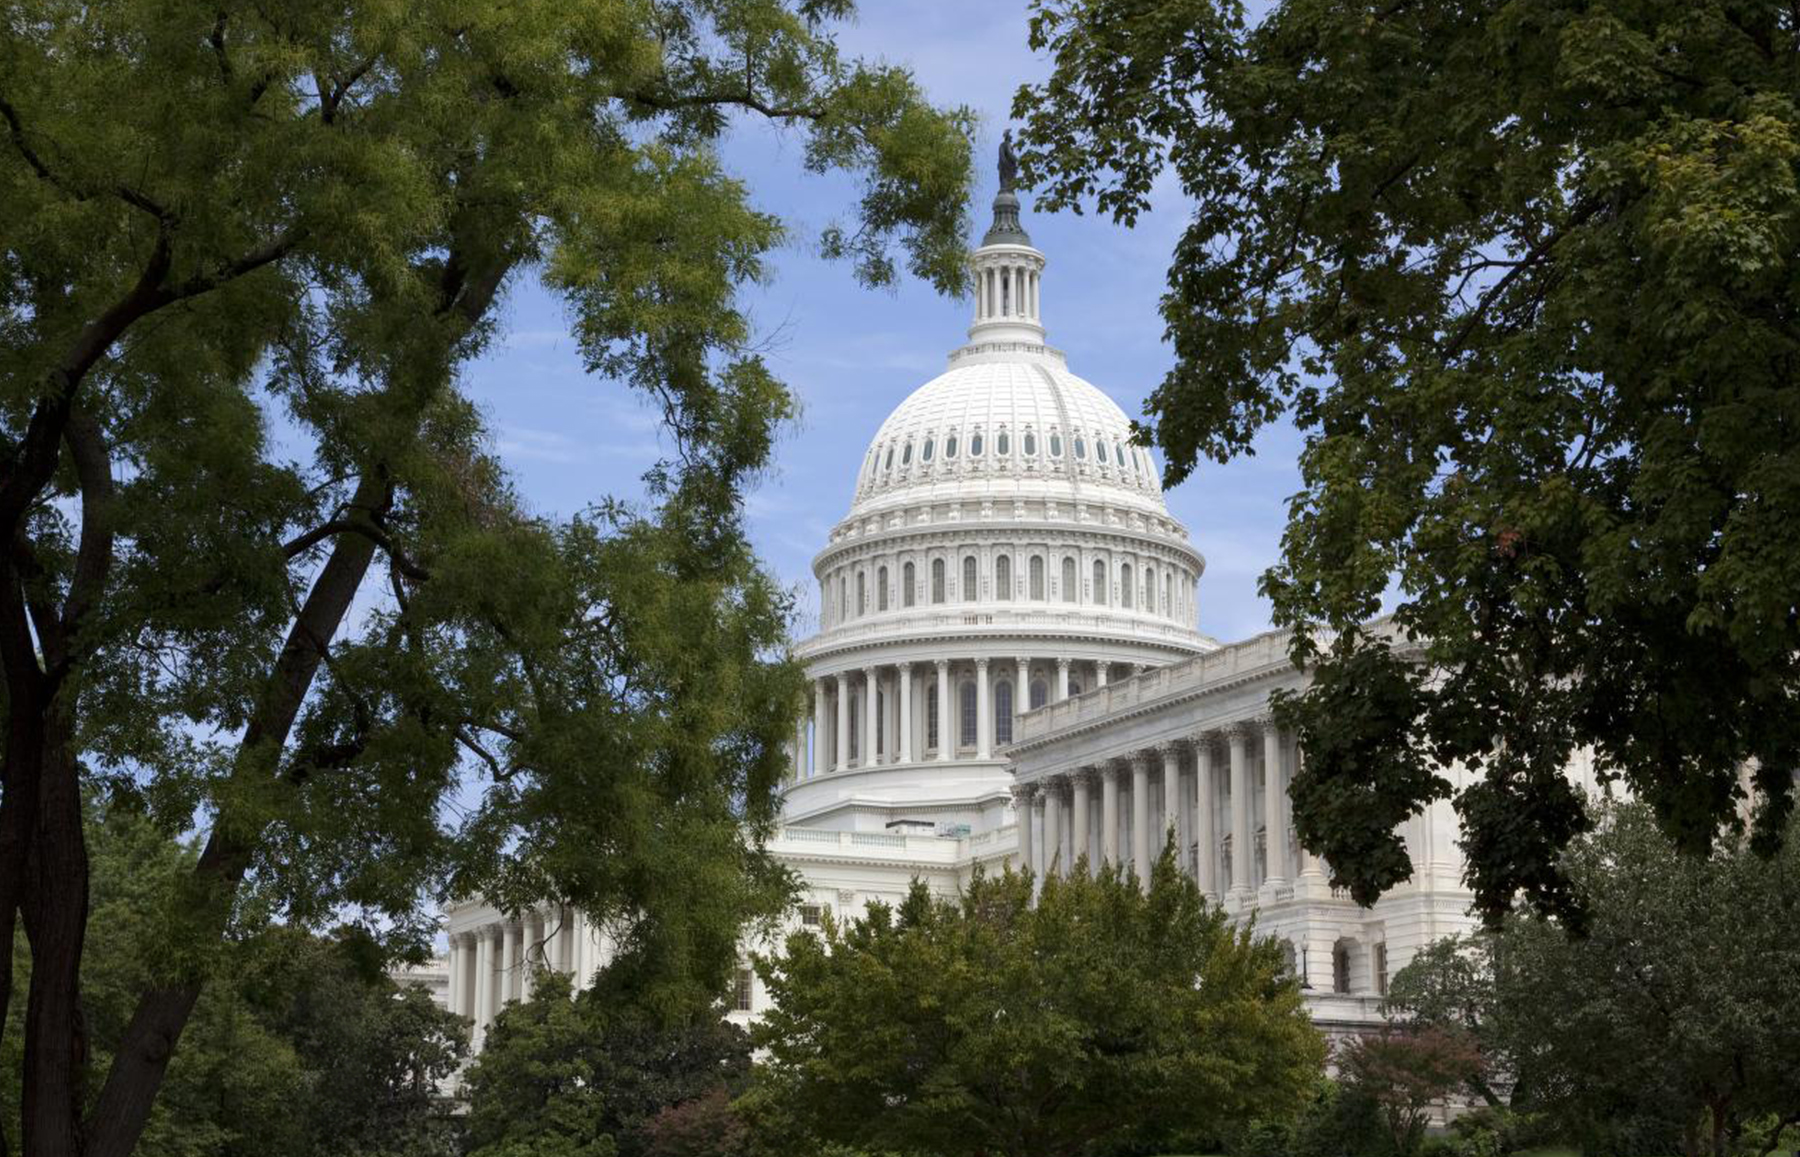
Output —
<point x="369" y="530"/>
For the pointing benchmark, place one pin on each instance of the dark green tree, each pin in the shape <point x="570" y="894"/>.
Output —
<point x="586" y="1076"/>
<point x="264" y="578"/>
<point x="1524" y="277"/>
<point x="987" y="1024"/>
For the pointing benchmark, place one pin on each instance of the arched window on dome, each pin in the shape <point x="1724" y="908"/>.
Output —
<point x="889" y="464"/>
<point x="931" y="717"/>
<point x="855" y="714"/>
<point x="925" y="454"/>
<point x="908" y="594"/>
<point x="1150" y="589"/>
<point x="1080" y="448"/>
<point x="1119" y="453"/>
<point x="970" y="585"/>
<point x="1037" y="577"/>
<point x="950" y="446"/>
<point x="975" y="444"/>
<point x="1030" y="444"/>
<point x="1056" y="445"/>
<point x="843" y="603"/>
<point x="1071" y="590"/>
<point x="937" y="580"/>
<point x="1002" y="444"/>
<point x="862" y="594"/>
<point x="1100" y="451"/>
<point x="1100" y="582"/>
<point x="1040" y="693"/>
<point x="1003" y="712"/>
<point x="1003" y="577"/>
<point x="1125" y="589"/>
<point x="881" y="589"/>
<point x="1168" y="594"/>
<point x="969" y="729"/>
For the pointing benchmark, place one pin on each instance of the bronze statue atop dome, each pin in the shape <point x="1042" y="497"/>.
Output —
<point x="1009" y="164"/>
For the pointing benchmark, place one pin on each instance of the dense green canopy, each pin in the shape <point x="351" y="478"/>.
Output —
<point x="264" y="577"/>
<point x="1524" y="274"/>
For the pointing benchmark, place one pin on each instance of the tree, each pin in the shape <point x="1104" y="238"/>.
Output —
<point x="302" y="1048"/>
<point x="588" y="1076"/>
<point x="706" y="1126"/>
<point x="1523" y="276"/>
<point x="989" y="1024"/>
<point x="263" y="577"/>
<point x="1452" y="985"/>
<point x="1405" y="1072"/>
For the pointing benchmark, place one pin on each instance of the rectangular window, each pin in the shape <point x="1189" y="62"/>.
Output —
<point x="1381" y="973"/>
<point x="812" y="915"/>
<point x="741" y="991"/>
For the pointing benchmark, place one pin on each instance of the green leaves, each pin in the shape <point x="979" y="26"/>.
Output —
<point x="1522" y="275"/>
<point x="989" y="1024"/>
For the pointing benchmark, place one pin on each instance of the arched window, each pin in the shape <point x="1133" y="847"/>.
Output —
<point x="1100" y="450"/>
<point x="1071" y="589"/>
<point x="925" y="454"/>
<point x="1340" y="966"/>
<point x="1037" y="576"/>
<point x="1002" y="444"/>
<point x="950" y="446"/>
<point x="1056" y="445"/>
<point x="937" y="580"/>
<point x="1100" y="582"/>
<point x="1040" y="693"/>
<point x="908" y="589"/>
<point x="1125" y="590"/>
<point x="881" y="589"/>
<point x="970" y="588"/>
<point x="879" y="743"/>
<point x="906" y="454"/>
<point x="1149" y="589"/>
<point x="843" y="606"/>
<point x="1168" y="605"/>
<point x="975" y="444"/>
<point x="889" y="464"/>
<point x="1080" y="448"/>
<point x="931" y="717"/>
<point x="1003" y="712"/>
<point x="1003" y="577"/>
<point x="968" y="715"/>
<point x="862" y="594"/>
<point x="1030" y="444"/>
<point x="1119" y="455"/>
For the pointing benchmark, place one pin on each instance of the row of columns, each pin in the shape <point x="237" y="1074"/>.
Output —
<point x="1062" y="806"/>
<point x="497" y="964"/>
<point x="833" y="696"/>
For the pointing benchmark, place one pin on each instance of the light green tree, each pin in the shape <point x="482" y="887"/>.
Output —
<point x="987" y="1024"/>
<point x="264" y="577"/>
<point x="1523" y="276"/>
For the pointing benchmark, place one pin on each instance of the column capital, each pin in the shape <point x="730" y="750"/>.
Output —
<point x="981" y="664"/>
<point x="1062" y="664"/>
<point x="869" y="671"/>
<point x="843" y="679"/>
<point x="1210" y="742"/>
<point x="941" y="664"/>
<point x="494" y="931"/>
<point x="904" y="666"/>
<point x="1245" y="729"/>
<point x="1085" y="776"/>
<point x="1173" y="747"/>
<point x="460" y="939"/>
<point x="1023" y="794"/>
<point x="1143" y="759"/>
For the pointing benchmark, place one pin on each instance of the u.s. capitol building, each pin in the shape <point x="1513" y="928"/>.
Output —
<point x="1007" y="671"/>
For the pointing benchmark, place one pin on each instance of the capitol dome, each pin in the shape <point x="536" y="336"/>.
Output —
<point x="1006" y="546"/>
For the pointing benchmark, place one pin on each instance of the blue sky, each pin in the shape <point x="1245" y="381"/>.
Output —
<point x="852" y="355"/>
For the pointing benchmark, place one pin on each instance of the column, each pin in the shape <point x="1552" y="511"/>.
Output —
<point x="843" y="724"/>
<point x="904" y="678"/>
<point x="1021" y="688"/>
<point x="1082" y="807"/>
<point x="1062" y="678"/>
<point x="1274" y="801"/>
<point x="458" y="981"/>
<point x="1312" y="869"/>
<point x="984" y="712"/>
<point x="1056" y="860"/>
<point x="1171" y="798"/>
<point x="946" y="731"/>
<point x="819" y="753"/>
<point x="509" y="961"/>
<point x="799" y="768"/>
<point x="532" y="958"/>
<point x="1241" y="849"/>
<point x="565" y="941"/>
<point x="1100" y="673"/>
<point x="1140" y="815"/>
<point x="871" y="716"/>
<point x="1022" y="796"/>
<point x="1109" y="813"/>
<point x="1206" y="821"/>
<point x="484" y="983"/>
<point x="578" y="950"/>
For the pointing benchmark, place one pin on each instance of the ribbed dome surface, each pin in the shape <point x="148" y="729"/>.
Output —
<point x="1003" y="423"/>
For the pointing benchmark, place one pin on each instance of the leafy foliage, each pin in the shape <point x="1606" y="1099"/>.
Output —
<point x="590" y="1075"/>
<point x="1524" y="277"/>
<point x="989" y="1024"/>
<point x="1405" y="1072"/>
<point x="267" y="579"/>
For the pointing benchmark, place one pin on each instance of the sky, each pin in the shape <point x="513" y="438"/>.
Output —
<point x="853" y="354"/>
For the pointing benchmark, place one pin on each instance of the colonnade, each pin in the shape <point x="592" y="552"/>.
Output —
<point x="1203" y="787"/>
<point x="899" y="697"/>
<point x="499" y="962"/>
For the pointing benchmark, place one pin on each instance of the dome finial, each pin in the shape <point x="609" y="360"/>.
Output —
<point x="1009" y="164"/>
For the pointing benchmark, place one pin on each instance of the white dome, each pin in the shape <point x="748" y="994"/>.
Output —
<point x="1007" y="421"/>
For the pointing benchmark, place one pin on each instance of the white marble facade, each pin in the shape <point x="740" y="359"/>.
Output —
<point x="1007" y="670"/>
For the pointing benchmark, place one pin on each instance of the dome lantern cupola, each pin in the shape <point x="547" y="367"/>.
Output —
<point x="1007" y="270"/>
